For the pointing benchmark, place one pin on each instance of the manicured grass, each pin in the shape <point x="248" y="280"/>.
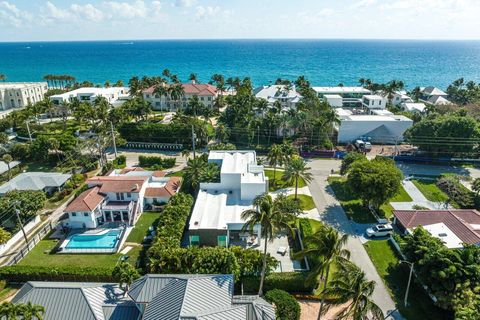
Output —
<point x="40" y="256"/>
<point x="395" y="276"/>
<point x="306" y="202"/>
<point x="401" y="196"/>
<point x="278" y="183"/>
<point x="315" y="224"/>
<point x="41" y="166"/>
<point x="176" y="174"/>
<point x="353" y="207"/>
<point x="140" y="230"/>
<point x="430" y="190"/>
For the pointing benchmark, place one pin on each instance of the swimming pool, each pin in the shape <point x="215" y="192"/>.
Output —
<point x="106" y="240"/>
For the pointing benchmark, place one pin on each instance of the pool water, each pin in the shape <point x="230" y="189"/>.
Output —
<point x="107" y="240"/>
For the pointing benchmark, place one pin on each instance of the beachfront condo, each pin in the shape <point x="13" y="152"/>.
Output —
<point x="14" y="95"/>
<point x="342" y="97"/>
<point x="114" y="95"/>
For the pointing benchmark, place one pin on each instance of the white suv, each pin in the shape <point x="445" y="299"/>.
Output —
<point x="380" y="230"/>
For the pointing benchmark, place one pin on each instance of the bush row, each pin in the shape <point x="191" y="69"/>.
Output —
<point x="292" y="282"/>
<point x="156" y="163"/>
<point x="19" y="273"/>
<point x="457" y="192"/>
<point x="156" y="132"/>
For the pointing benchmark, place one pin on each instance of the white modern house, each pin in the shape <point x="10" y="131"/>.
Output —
<point x="206" y="93"/>
<point x="374" y="102"/>
<point x="114" y="95"/>
<point x="287" y="96"/>
<point x="414" y="107"/>
<point x="216" y="218"/>
<point x="434" y="96"/>
<point x="350" y="96"/>
<point x="398" y="98"/>
<point x="119" y="197"/>
<point x="377" y="128"/>
<point x="15" y="95"/>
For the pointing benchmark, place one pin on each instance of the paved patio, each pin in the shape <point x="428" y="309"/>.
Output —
<point x="286" y="263"/>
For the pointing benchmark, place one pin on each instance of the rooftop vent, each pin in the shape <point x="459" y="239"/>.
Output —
<point x="195" y="223"/>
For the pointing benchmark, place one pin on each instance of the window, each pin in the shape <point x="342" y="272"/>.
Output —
<point x="129" y="195"/>
<point x="74" y="214"/>
<point x="209" y="98"/>
<point x="148" y="96"/>
<point x="120" y="196"/>
<point x="202" y="98"/>
<point x="85" y="214"/>
<point x="194" y="240"/>
<point x="222" y="241"/>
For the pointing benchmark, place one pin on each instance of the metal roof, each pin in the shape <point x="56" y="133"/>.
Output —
<point x="35" y="181"/>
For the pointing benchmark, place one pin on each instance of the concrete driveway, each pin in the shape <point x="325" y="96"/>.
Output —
<point x="331" y="212"/>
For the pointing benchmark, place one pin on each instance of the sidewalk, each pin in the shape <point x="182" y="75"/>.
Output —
<point x="418" y="199"/>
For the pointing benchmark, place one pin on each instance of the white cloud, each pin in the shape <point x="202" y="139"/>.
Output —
<point x="363" y="4"/>
<point x="126" y="10"/>
<point x="316" y="17"/>
<point x="208" y="12"/>
<point x="11" y="15"/>
<point x="184" y="3"/>
<point x="88" y="11"/>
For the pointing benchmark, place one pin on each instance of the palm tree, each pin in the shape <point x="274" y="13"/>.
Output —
<point x="3" y="77"/>
<point x="126" y="274"/>
<point x="195" y="105"/>
<point x="162" y="91"/>
<point x="351" y="287"/>
<point x="193" y="172"/>
<point x="327" y="245"/>
<point x="176" y="93"/>
<point x="296" y="169"/>
<point x="193" y="77"/>
<point x="186" y="153"/>
<point x="9" y="310"/>
<point x="30" y="311"/>
<point x="275" y="158"/>
<point x="166" y="73"/>
<point x="476" y="185"/>
<point x="8" y="159"/>
<point x="273" y="216"/>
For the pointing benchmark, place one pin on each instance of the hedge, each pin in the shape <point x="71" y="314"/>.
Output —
<point x="120" y="162"/>
<point x="19" y="273"/>
<point x="156" y="163"/>
<point x="457" y="192"/>
<point x="286" y="306"/>
<point x="292" y="282"/>
<point x="156" y="132"/>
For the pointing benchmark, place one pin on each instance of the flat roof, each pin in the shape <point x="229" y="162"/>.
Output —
<point x="447" y="236"/>
<point x="332" y="96"/>
<point x="341" y="90"/>
<point x="233" y="161"/>
<point x="373" y="97"/>
<point x="372" y="117"/>
<point x="91" y="90"/>
<point x="20" y="85"/>
<point x="215" y="209"/>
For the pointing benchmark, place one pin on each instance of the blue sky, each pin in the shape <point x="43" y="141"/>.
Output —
<point x="26" y="20"/>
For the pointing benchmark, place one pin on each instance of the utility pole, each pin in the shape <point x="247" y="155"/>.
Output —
<point x="194" y="137"/>
<point x="409" y="280"/>
<point x="28" y="129"/>
<point x="17" y="212"/>
<point x="258" y="135"/>
<point x="113" y="139"/>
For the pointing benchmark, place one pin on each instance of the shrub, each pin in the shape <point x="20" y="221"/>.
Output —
<point x="286" y="307"/>
<point x="20" y="151"/>
<point x="19" y="273"/>
<point x="156" y="132"/>
<point x="120" y="162"/>
<point x="156" y="163"/>
<point x="292" y="282"/>
<point x="457" y="192"/>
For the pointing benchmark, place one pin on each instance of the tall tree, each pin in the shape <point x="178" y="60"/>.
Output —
<point x="125" y="274"/>
<point x="275" y="158"/>
<point x="4" y="235"/>
<point x="327" y="244"/>
<point x="8" y="159"/>
<point x="296" y="169"/>
<point x="30" y="311"/>
<point x="273" y="216"/>
<point x="351" y="290"/>
<point x="3" y="77"/>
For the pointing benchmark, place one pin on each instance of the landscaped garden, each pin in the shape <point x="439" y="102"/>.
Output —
<point x="395" y="277"/>
<point x="147" y="219"/>
<point x="278" y="182"/>
<point x="430" y="190"/>
<point x="354" y="208"/>
<point x="305" y="201"/>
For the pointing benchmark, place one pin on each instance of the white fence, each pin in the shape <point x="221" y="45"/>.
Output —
<point x="19" y="235"/>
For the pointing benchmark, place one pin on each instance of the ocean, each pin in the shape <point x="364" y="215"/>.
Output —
<point x="323" y="62"/>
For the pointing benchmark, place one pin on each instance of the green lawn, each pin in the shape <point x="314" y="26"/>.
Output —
<point x="430" y="190"/>
<point x="306" y="202"/>
<point x="140" y="230"/>
<point x="279" y="183"/>
<point x="40" y="256"/>
<point x="395" y="276"/>
<point x="401" y="196"/>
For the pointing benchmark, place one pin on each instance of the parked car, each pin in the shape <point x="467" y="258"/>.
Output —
<point x="380" y="230"/>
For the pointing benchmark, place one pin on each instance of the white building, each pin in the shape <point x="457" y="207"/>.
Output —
<point x="383" y="129"/>
<point x="119" y="197"/>
<point x="216" y="217"/>
<point x="415" y="107"/>
<point x="20" y="94"/>
<point x="288" y="97"/>
<point x="351" y="96"/>
<point x="114" y="95"/>
<point x="374" y="102"/>
<point x="434" y="96"/>
<point x="400" y="97"/>
<point x="206" y="93"/>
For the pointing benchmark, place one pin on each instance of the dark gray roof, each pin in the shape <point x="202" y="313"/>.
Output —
<point x="69" y="300"/>
<point x="257" y="308"/>
<point x="121" y="311"/>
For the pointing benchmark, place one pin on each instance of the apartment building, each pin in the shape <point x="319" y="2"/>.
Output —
<point x="15" y="95"/>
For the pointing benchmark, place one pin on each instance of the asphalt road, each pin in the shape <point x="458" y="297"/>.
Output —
<point x="331" y="212"/>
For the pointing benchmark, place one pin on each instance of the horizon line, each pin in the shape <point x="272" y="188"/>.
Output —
<point x="247" y="39"/>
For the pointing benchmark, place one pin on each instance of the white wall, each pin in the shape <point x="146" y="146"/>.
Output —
<point x="19" y="235"/>
<point x="80" y="219"/>
<point x="351" y="130"/>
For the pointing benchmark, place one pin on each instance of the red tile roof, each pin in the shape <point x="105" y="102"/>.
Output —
<point x="192" y="88"/>
<point x="127" y="170"/>
<point x="170" y="188"/>
<point x="87" y="201"/>
<point x="118" y="183"/>
<point x="459" y="221"/>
